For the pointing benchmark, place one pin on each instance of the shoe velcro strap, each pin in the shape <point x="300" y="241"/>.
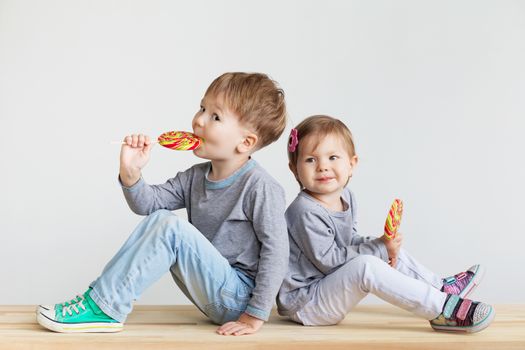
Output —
<point x="460" y="276"/>
<point x="450" y="305"/>
<point x="450" y="280"/>
<point x="463" y="309"/>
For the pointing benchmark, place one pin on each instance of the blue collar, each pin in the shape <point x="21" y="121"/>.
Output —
<point x="215" y="185"/>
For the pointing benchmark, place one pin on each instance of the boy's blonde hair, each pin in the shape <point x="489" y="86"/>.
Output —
<point x="257" y="100"/>
<point x="319" y="126"/>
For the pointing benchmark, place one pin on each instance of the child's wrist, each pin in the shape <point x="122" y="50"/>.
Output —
<point x="129" y="177"/>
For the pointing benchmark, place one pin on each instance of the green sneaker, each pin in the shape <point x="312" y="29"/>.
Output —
<point x="83" y="316"/>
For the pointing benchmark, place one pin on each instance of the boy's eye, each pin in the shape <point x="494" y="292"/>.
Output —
<point x="333" y="157"/>
<point x="216" y="117"/>
<point x="203" y="109"/>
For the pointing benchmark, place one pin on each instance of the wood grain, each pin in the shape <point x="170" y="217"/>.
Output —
<point x="184" y="327"/>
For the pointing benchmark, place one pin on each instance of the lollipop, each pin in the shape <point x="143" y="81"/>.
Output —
<point x="393" y="220"/>
<point x="180" y="140"/>
<point x="176" y="140"/>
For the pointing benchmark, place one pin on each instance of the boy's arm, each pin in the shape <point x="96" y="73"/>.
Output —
<point x="129" y="176"/>
<point x="270" y="227"/>
<point x="267" y="216"/>
<point x="144" y="199"/>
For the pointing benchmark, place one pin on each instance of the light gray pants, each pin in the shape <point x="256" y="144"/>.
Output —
<point x="410" y="286"/>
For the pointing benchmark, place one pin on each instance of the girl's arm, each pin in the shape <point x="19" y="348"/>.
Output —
<point x="365" y="245"/>
<point x="368" y="245"/>
<point x="315" y="236"/>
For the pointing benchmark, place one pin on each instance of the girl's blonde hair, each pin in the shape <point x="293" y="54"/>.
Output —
<point x="319" y="126"/>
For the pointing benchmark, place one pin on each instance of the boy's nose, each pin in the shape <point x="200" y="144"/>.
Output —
<point x="198" y="122"/>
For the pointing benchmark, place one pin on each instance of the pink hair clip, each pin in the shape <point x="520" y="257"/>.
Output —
<point x="293" y="141"/>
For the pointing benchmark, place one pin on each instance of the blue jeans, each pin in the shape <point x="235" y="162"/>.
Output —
<point x="162" y="242"/>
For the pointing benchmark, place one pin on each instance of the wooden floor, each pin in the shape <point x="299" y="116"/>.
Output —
<point x="183" y="327"/>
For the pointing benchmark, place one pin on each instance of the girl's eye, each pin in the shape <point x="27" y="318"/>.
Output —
<point x="333" y="157"/>
<point x="309" y="160"/>
<point x="203" y="109"/>
<point x="216" y="117"/>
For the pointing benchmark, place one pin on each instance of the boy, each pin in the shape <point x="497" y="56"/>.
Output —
<point x="230" y="257"/>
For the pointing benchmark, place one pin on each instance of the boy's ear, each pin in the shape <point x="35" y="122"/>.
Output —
<point x="248" y="143"/>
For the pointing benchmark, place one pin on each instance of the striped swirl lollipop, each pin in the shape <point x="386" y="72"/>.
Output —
<point x="393" y="220"/>
<point x="180" y="140"/>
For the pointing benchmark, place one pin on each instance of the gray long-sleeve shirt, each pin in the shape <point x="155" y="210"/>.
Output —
<point x="242" y="216"/>
<point x="321" y="241"/>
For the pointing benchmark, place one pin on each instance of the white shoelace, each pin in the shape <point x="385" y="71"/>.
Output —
<point x="74" y="308"/>
<point x="78" y="298"/>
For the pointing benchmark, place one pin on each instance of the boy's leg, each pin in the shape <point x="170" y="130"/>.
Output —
<point x="222" y="304"/>
<point x="162" y="242"/>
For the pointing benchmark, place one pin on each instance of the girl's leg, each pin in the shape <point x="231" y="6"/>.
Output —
<point x="337" y="293"/>
<point x="462" y="284"/>
<point x="409" y="266"/>
<point x="164" y="242"/>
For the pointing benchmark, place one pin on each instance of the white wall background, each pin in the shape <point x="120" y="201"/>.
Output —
<point x="434" y="92"/>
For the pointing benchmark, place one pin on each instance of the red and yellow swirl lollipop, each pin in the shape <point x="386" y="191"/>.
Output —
<point x="393" y="220"/>
<point x="180" y="140"/>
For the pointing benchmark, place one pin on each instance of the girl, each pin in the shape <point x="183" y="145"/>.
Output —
<point x="332" y="268"/>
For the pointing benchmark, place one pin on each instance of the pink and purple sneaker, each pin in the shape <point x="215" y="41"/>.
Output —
<point x="463" y="315"/>
<point x="464" y="283"/>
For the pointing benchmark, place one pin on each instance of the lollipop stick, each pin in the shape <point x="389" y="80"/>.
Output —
<point x="122" y="142"/>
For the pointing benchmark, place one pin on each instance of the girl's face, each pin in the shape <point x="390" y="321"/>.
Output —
<point x="324" y="166"/>
<point x="219" y="127"/>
